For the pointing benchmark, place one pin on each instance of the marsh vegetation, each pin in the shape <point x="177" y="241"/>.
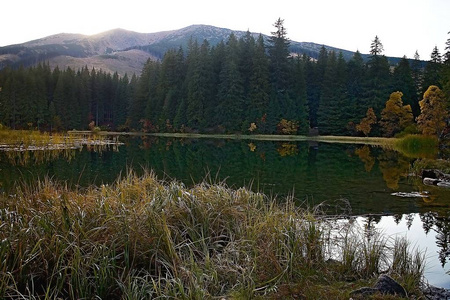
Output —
<point x="144" y="238"/>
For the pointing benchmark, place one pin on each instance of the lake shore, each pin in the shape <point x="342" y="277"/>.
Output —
<point x="259" y="137"/>
<point x="142" y="237"/>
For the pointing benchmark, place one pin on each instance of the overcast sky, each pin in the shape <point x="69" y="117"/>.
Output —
<point x="403" y="26"/>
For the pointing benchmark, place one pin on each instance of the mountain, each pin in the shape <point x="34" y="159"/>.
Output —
<point x="122" y="51"/>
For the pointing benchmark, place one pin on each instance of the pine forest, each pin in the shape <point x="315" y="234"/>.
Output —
<point x="246" y="85"/>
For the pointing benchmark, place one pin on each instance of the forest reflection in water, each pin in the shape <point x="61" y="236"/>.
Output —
<point x="351" y="180"/>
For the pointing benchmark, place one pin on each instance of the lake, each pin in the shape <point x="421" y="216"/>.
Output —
<point x="345" y="179"/>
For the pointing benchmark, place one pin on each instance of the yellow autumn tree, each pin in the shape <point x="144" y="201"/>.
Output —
<point x="434" y="114"/>
<point x="365" y="126"/>
<point x="395" y="117"/>
<point x="287" y="127"/>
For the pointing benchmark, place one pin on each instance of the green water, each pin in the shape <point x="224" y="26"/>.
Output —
<point x="352" y="179"/>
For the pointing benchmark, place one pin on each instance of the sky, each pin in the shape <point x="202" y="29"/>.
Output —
<point x="403" y="26"/>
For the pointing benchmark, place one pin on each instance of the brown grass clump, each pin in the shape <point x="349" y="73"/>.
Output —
<point x="142" y="238"/>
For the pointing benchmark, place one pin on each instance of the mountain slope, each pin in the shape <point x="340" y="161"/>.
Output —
<point x="120" y="50"/>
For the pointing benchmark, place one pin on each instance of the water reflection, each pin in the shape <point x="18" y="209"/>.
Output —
<point x="429" y="233"/>
<point x="23" y="158"/>
<point x="365" y="156"/>
<point x="313" y="173"/>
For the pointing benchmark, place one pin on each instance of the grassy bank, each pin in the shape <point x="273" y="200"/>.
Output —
<point x="31" y="140"/>
<point x="262" y="137"/>
<point x="142" y="238"/>
<point x="422" y="146"/>
<point x="26" y="138"/>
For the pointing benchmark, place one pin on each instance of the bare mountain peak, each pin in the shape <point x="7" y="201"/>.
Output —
<point x="60" y="38"/>
<point x="122" y="50"/>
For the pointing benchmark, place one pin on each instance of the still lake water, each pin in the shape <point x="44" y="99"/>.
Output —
<point x="353" y="179"/>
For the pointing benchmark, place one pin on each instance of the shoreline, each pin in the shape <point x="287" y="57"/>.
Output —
<point x="377" y="141"/>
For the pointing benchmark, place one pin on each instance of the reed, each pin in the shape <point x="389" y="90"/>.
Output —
<point x="418" y="146"/>
<point x="142" y="238"/>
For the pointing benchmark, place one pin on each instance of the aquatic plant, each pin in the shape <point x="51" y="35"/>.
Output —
<point x="418" y="146"/>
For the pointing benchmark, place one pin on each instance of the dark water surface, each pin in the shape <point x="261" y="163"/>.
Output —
<point x="352" y="179"/>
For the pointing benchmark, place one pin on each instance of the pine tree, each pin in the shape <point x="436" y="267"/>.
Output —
<point x="259" y="86"/>
<point x="84" y="93"/>
<point x="199" y="85"/>
<point x="280" y="67"/>
<point x="247" y="46"/>
<point x="417" y="75"/>
<point x="445" y="73"/>
<point x="231" y="89"/>
<point x="279" y="57"/>
<point x="301" y="96"/>
<point x="432" y="72"/>
<point x="376" y="47"/>
<point x="314" y="77"/>
<point x="403" y="81"/>
<point x="142" y="93"/>
<point x="326" y="114"/>
<point x="355" y="82"/>
<point x="153" y="106"/>
<point x="377" y="81"/>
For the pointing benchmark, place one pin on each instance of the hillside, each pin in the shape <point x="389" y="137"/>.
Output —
<point x="121" y="50"/>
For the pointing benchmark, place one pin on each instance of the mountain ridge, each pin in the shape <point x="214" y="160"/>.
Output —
<point x="124" y="51"/>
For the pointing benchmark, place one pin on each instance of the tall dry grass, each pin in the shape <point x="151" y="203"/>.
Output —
<point x="141" y="238"/>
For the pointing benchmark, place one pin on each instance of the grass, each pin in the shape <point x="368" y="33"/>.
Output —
<point x="425" y="163"/>
<point x="26" y="138"/>
<point x="418" y="146"/>
<point x="32" y="140"/>
<point x="143" y="238"/>
<point x="377" y="141"/>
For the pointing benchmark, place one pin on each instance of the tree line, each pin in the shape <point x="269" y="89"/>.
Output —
<point x="247" y="85"/>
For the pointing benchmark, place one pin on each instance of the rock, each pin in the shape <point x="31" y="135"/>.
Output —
<point x="410" y="195"/>
<point x="363" y="292"/>
<point x="435" y="174"/>
<point x="386" y="285"/>
<point x="443" y="184"/>
<point x="430" y="181"/>
<point x="435" y="177"/>
<point x="435" y="293"/>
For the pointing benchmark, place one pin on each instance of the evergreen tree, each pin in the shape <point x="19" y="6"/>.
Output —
<point x="445" y="74"/>
<point x="231" y="89"/>
<point x="142" y="93"/>
<point x="432" y="72"/>
<point x="121" y="98"/>
<point x="153" y="104"/>
<point x="315" y="73"/>
<point x="403" y="81"/>
<point x="377" y="81"/>
<point x="199" y="85"/>
<point x="417" y="75"/>
<point x="84" y="93"/>
<point x="301" y="96"/>
<point x="247" y="46"/>
<point x="218" y="58"/>
<point x="259" y="86"/>
<point x="280" y="68"/>
<point x="279" y="57"/>
<point x="333" y="114"/>
<point x="376" y="47"/>
<point x="326" y="114"/>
